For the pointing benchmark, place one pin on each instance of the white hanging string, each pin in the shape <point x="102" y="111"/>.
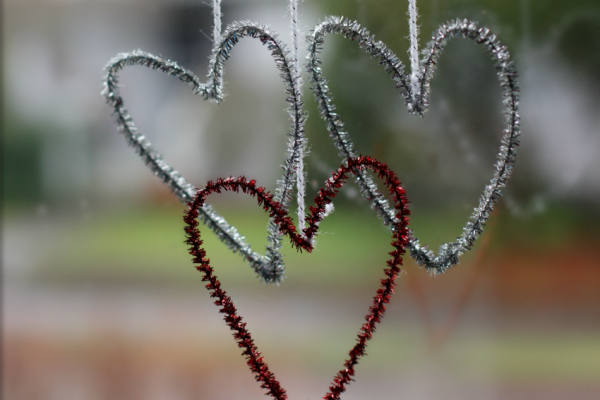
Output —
<point x="297" y="83"/>
<point x="414" y="46"/>
<point x="297" y="87"/>
<point x="217" y="23"/>
<point x="294" y="12"/>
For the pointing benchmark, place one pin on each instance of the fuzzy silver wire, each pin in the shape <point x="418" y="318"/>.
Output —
<point x="417" y="101"/>
<point x="269" y="267"/>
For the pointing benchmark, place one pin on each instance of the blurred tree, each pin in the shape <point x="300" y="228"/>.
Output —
<point x="21" y="163"/>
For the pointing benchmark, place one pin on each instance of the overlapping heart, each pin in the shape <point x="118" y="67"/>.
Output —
<point x="417" y="97"/>
<point x="270" y="266"/>
<point x="302" y="241"/>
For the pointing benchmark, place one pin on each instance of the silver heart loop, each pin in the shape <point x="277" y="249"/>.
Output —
<point x="417" y="103"/>
<point x="270" y="266"/>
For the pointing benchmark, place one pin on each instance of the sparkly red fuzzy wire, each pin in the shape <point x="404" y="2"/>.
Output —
<point x="280" y="215"/>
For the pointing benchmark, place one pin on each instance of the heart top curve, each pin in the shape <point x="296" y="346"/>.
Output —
<point x="279" y="213"/>
<point x="269" y="267"/>
<point x="417" y="103"/>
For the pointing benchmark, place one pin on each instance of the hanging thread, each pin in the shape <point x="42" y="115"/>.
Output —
<point x="217" y="23"/>
<point x="413" y="15"/>
<point x="300" y="184"/>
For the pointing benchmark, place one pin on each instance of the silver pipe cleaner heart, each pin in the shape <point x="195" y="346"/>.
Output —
<point x="270" y="266"/>
<point x="416" y="90"/>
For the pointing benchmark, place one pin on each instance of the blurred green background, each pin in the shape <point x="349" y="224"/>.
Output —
<point x="101" y="299"/>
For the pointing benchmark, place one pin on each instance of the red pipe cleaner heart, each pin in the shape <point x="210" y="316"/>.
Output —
<point x="279" y="214"/>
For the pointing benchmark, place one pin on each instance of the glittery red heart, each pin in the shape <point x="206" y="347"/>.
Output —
<point x="304" y="240"/>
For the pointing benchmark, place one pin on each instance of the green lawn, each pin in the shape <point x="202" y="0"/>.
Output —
<point x="146" y="246"/>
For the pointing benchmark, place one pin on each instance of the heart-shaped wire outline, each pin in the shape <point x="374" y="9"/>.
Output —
<point x="270" y="266"/>
<point x="302" y="241"/>
<point x="417" y="103"/>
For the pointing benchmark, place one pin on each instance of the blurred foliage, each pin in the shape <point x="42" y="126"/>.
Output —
<point x="380" y="126"/>
<point x="21" y="163"/>
<point x="580" y="44"/>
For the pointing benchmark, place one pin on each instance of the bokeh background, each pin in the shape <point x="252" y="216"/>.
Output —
<point x="101" y="301"/>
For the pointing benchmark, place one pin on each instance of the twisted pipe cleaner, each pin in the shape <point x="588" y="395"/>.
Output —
<point x="417" y="101"/>
<point x="269" y="267"/>
<point x="304" y="241"/>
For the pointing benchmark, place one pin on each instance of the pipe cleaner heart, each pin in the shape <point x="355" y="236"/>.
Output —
<point x="279" y="214"/>
<point x="270" y="266"/>
<point x="416" y="90"/>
